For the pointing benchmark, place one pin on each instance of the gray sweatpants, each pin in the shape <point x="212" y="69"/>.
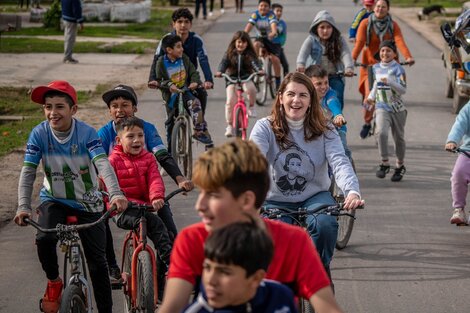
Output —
<point x="385" y="120"/>
<point x="70" y="34"/>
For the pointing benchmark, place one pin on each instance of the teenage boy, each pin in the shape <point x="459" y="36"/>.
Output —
<point x="70" y="150"/>
<point x="237" y="257"/>
<point x="234" y="181"/>
<point x="175" y="71"/>
<point x="193" y="46"/>
<point x="281" y="35"/>
<point x="265" y="23"/>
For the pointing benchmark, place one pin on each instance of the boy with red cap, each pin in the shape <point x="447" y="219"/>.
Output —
<point x="368" y="6"/>
<point x="70" y="150"/>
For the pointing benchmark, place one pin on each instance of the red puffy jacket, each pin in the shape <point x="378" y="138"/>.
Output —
<point x="138" y="175"/>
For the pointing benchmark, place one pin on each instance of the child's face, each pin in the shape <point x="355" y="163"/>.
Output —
<point x="220" y="208"/>
<point x="176" y="52"/>
<point x="263" y="8"/>
<point x="121" y="108"/>
<point x="324" y="30"/>
<point x="182" y="26"/>
<point x="386" y="54"/>
<point x="240" y="45"/>
<point x="59" y="113"/>
<point x="278" y="13"/>
<point x="132" y="140"/>
<point x="227" y="285"/>
<point x="321" y="85"/>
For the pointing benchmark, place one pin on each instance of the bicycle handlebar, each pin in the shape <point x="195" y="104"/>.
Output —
<point x="458" y="150"/>
<point x="133" y="205"/>
<point x="238" y="80"/>
<point x="333" y="210"/>
<point x="69" y="228"/>
<point x="357" y="64"/>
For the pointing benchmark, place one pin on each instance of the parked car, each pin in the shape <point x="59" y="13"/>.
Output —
<point x="457" y="80"/>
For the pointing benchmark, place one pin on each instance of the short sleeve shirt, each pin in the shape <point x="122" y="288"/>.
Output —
<point x="262" y="23"/>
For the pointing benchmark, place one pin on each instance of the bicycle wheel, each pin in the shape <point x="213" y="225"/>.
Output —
<point x="68" y="265"/>
<point x="261" y="88"/>
<point x="145" y="297"/>
<point x="271" y="82"/>
<point x="73" y="300"/>
<point x="126" y="268"/>
<point x="182" y="147"/>
<point x="238" y="127"/>
<point x="305" y="307"/>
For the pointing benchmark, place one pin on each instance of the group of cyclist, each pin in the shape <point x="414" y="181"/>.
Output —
<point x="287" y="163"/>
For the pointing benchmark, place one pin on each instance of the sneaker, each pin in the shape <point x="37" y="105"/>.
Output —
<point x="229" y="131"/>
<point x="50" y="303"/>
<point x="210" y="13"/>
<point x="365" y="131"/>
<point x="203" y="136"/>
<point x="382" y="171"/>
<point x="70" y="61"/>
<point x="458" y="217"/>
<point x="252" y="112"/>
<point x="222" y="11"/>
<point x="115" y="273"/>
<point x="399" y="173"/>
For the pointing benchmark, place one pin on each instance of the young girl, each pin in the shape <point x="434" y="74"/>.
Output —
<point x="390" y="113"/>
<point x="326" y="47"/>
<point x="239" y="45"/>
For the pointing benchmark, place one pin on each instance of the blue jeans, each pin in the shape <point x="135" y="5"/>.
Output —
<point x="337" y="84"/>
<point x="323" y="229"/>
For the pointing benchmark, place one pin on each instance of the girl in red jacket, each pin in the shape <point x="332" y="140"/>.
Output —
<point x="140" y="180"/>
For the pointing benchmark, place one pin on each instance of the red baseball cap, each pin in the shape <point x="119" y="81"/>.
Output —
<point x="368" y="2"/>
<point x="37" y="95"/>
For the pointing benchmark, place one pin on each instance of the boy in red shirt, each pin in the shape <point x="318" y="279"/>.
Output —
<point x="233" y="180"/>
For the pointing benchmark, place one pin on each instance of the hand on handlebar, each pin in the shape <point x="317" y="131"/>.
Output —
<point x="349" y="73"/>
<point x="410" y="61"/>
<point x="451" y="146"/>
<point x="300" y="69"/>
<point x="191" y="86"/>
<point x="208" y="85"/>
<point x="368" y="104"/>
<point x="184" y="183"/>
<point x="153" y="84"/>
<point x="352" y="201"/>
<point x="218" y="74"/>
<point x="261" y="73"/>
<point x="158" y="204"/>
<point x="339" y="120"/>
<point x="20" y="216"/>
<point x="120" y="203"/>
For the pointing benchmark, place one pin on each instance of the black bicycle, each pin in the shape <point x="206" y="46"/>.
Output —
<point x="76" y="297"/>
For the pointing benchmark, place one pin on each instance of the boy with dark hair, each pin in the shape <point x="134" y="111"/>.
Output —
<point x="281" y="35"/>
<point x="237" y="257"/>
<point x="138" y="176"/>
<point x="234" y="181"/>
<point x="122" y="103"/>
<point x="175" y="71"/>
<point x="70" y="150"/>
<point x="193" y="47"/>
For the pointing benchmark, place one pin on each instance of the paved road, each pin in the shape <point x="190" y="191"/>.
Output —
<point x="403" y="255"/>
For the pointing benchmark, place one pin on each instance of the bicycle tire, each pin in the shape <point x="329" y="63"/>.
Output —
<point x="305" y="307"/>
<point x="238" y="127"/>
<point x="272" y="80"/>
<point x="73" y="300"/>
<point x="182" y="147"/>
<point x="126" y="268"/>
<point x="67" y="272"/>
<point x="261" y="88"/>
<point x="145" y="293"/>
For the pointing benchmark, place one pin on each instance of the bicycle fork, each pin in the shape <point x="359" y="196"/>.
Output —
<point x="77" y="278"/>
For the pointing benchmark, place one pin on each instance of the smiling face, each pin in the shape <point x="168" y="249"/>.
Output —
<point x="132" y="140"/>
<point x="278" y="13"/>
<point x="263" y="8"/>
<point x="121" y="108"/>
<point x="324" y="30"/>
<point x="240" y="45"/>
<point x="387" y="54"/>
<point x="227" y="285"/>
<point x="176" y="52"/>
<point x="321" y="85"/>
<point x="59" y="113"/>
<point x="295" y="100"/>
<point x="381" y="9"/>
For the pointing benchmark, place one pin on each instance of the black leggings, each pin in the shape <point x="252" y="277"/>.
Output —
<point x="212" y="5"/>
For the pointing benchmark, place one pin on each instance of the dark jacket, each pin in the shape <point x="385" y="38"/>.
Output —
<point x="72" y="11"/>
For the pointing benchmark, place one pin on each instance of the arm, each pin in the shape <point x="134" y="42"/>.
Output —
<point x="248" y="27"/>
<point x="223" y="65"/>
<point x="176" y="297"/>
<point x="155" y="181"/>
<point x="399" y="85"/>
<point x="360" y="39"/>
<point x="355" y="23"/>
<point x="25" y="191"/>
<point x="346" y="57"/>
<point x="324" y="301"/>
<point x="108" y="175"/>
<point x="153" y="74"/>
<point x="260" y="135"/>
<point x="461" y="126"/>
<point x="193" y="74"/>
<point x="273" y="25"/>
<point x="203" y="59"/>
<point x="304" y="53"/>
<point x="400" y="42"/>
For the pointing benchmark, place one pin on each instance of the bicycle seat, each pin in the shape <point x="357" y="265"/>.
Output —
<point x="71" y="219"/>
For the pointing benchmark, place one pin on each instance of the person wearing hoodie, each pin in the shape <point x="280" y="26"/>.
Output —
<point x="326" y="47"/>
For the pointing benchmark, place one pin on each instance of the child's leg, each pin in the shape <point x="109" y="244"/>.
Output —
<point x="459" y="181"/>
<point x="167" y="217"/>
<point x="169" y="123"/>
<point x="383" y="123"/>
<point x="158" y="233"/>
<point x="250" y="90"/>
<point x="284" y="62"/>
<point x="398" y="132"/>
<point x="110" y="255"/>
<point x="231" y="100"/>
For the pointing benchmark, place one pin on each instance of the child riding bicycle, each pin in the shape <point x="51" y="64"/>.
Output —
<point x="362" y="14"/>
<point x="138" y="174"/>
<point x="70" y="150"/>
<point x="174" y="71"/>
<point x="239" y="46"/>
<point x="265" y="23"/>
<point x="237" y="257"/>
<point x="281" y="35"/>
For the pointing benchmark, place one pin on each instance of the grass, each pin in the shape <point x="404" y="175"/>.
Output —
<point x="423" y="3"/>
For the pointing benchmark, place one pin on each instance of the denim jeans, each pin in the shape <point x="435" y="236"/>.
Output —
<point x="323" y="229"/>
<point x="337" y="84"/>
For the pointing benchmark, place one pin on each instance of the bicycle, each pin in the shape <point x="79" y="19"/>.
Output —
<point x="139" y="267"/>
<point x="266" y="82"/>
<point x="76" y="296"/>
<point x="239" y="112"/>
<point x="299" y="218"/>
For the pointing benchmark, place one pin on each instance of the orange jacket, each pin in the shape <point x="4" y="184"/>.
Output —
<point x="369" y="52"/>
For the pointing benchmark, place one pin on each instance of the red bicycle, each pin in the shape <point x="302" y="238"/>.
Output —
<point x="139" y="267"/>
<point x="239" y="112"/>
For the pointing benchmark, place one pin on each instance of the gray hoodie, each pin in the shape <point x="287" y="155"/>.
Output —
<point x="313" y="48"/>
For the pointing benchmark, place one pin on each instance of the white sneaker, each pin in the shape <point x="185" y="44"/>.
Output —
<point x="252" y="112"/>
<point x="222" y="11"/>
<point x="458" y="217"/>
<point x="229" y="131"/>
<point x="210" y="13"/>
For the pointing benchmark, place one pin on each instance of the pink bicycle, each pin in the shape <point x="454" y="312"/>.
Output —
<point x="239" y="112"/>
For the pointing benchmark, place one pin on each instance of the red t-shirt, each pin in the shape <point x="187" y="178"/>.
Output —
<point x="295" y="263"/>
